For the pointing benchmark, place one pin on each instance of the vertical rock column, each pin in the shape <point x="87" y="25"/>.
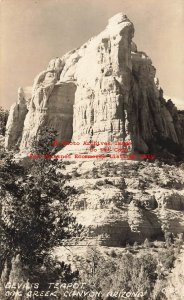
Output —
<point x="103" y="77"/>
<point x="15" y="122"/>
<point x="51" y="106"/>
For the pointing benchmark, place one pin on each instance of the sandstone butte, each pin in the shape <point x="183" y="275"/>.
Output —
<point x="106" y="90"/>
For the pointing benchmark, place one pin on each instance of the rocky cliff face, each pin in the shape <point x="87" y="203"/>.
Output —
<point x="15" y="123"/>
<point x="106" y="90"/>
<point x="126" y="201"/>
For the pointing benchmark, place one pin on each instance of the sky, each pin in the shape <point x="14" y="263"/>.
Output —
<point x="35" y="31"/>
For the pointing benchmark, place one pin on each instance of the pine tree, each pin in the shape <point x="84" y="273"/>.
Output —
<point x="35" y="217"/>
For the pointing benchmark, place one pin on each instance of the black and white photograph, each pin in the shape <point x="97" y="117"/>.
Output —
<point x="91" y="150"/>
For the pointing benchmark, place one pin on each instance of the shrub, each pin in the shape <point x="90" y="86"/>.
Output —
<point x="113" y="253"/>
<point x="34" y="217"/>
<point x="3" y="120"/>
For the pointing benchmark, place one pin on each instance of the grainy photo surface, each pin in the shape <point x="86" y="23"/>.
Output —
<point x="92" y="150"/>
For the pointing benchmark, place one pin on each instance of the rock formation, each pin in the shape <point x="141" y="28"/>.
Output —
<point x="126" y="201"/>
<point x="106" y="90"/>
<point x="15" y="123"/>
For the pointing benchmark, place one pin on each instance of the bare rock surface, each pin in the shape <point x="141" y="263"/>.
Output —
<point x="174" y="288"/>
<point x="126" y="201"/>
<point x="15" y="123"/>
<point x="106" y="90"/>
